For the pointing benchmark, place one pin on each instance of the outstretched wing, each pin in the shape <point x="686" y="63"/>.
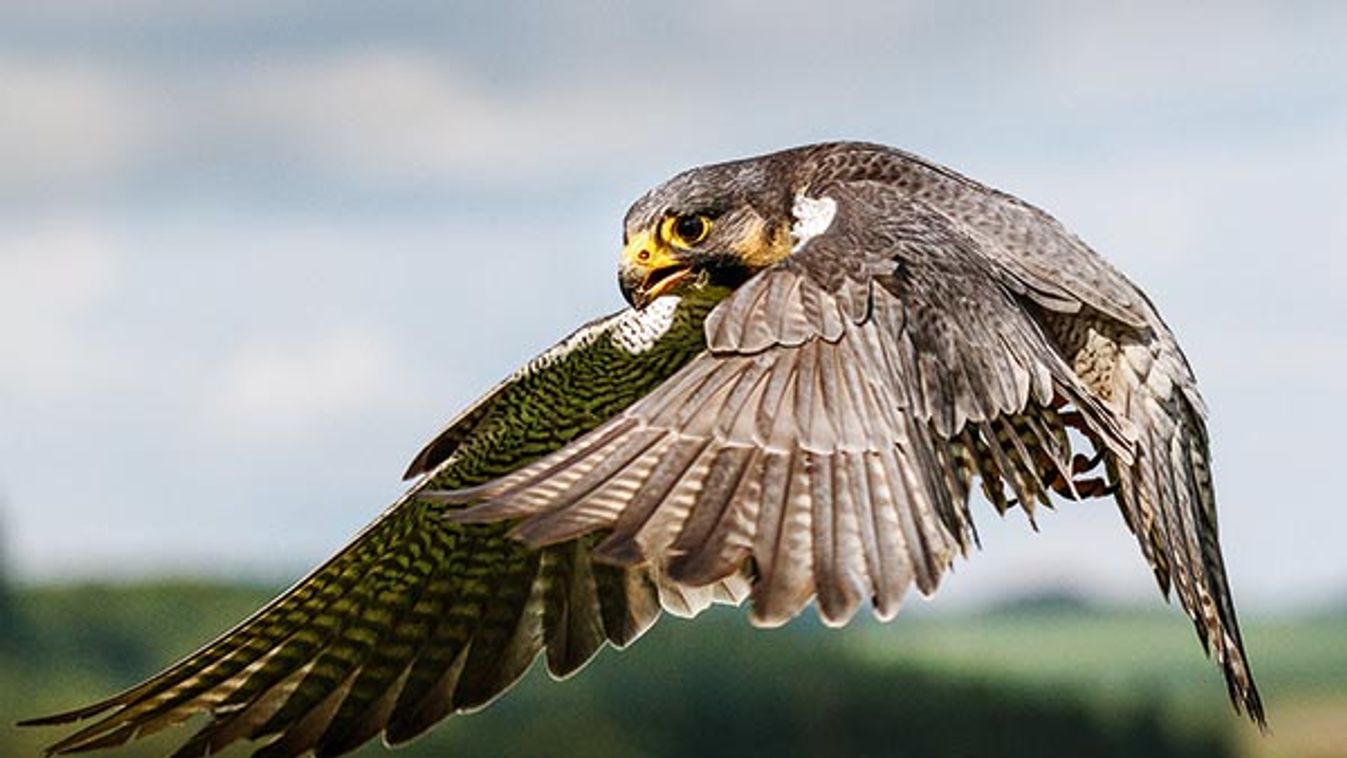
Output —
<point x="1166" y="495"/>
<point x="825" y="443"/>
<point x="416" y="619"/>
<point x="1118" y="345"/>
<point x="420" y="617"/>
<point x="1121" y="349"/>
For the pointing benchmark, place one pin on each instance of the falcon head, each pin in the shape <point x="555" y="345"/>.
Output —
<point x="715" y="225"/>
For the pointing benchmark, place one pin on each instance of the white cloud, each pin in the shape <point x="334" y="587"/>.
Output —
<point x="67" y="122"/>
<point x="288" y="388"/>
<point x="51" y="280"/>
<point x="1119" y="56"/>
<point x="397" y="113"/>
<point x="381" y="114"/>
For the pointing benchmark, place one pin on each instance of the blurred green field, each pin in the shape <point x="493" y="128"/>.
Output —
<point x="1035" y="679"/>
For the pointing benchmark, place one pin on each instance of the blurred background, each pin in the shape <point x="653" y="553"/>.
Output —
<point x="253" y="254"/>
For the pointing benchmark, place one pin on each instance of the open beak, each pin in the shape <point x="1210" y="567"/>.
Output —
<point x="649" y="269"/>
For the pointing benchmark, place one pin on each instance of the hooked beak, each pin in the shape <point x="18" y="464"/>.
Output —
<point x="649" y="269"/>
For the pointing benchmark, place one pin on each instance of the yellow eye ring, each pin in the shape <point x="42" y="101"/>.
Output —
<point x="686" y="231"/>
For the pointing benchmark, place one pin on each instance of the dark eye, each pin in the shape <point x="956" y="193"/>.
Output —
<point x="689" y="230"/>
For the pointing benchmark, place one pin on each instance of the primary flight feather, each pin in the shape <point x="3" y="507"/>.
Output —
<point x="828" y="348"/>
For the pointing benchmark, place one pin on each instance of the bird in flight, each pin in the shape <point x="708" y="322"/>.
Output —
<point x="827" y="349"/>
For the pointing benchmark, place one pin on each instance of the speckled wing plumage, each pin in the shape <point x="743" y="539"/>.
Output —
<point x="825" y="444"/>
<point x="1047" y="263"/>
<point x="1166" y="496"/>
<point x="420" y="617"/>
<point x="1121" y="349"/>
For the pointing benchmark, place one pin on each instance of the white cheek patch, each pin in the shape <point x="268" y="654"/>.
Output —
<point x="638" y="331"/>
<point x="813" y="216"/>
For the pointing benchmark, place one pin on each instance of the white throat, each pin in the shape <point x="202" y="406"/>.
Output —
<point x="638" y="331"/>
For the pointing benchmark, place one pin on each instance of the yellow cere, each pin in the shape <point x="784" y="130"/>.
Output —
<point x="643" y="251"/>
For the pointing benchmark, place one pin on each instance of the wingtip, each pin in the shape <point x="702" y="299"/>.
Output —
<point x="66" y="717"/>
<point x="91" y="738"/>
<point x="1248" y="701"/>
<point x="43" y="721"/>
<point x="1255" y="712"/>
<point x="1250" y="704"/>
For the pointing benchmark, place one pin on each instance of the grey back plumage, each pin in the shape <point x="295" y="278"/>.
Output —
<point x="940" y="332"/>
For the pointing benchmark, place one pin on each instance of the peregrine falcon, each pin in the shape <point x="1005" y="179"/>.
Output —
<point x="827" y="348"/>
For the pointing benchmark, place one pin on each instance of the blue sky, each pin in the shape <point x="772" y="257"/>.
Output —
<point x="253" y="254"/>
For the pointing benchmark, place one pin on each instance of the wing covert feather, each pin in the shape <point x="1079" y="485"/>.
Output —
<point x="856" y="363"/>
